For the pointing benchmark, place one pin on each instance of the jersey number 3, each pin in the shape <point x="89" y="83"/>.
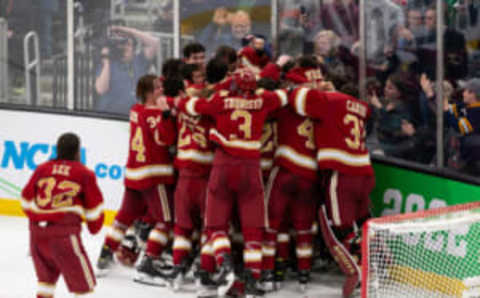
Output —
<point x="246" y="126"/>
<point x="357" y="132"/>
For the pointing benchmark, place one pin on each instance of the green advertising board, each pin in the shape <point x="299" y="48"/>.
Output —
<point x="456" y="250"/>
<point x="400" y="191"/>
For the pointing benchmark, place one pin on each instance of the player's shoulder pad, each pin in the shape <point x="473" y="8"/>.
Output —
<point x="260" y="91"/>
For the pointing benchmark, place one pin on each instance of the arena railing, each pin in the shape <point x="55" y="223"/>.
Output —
<point x="32" y="67"/>
<point x="4" y="88"/>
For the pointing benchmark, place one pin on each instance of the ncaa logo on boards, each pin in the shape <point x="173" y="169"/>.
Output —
<point x="27" y="155"/>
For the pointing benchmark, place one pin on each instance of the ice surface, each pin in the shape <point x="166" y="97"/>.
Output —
<point x="17" y="277"/>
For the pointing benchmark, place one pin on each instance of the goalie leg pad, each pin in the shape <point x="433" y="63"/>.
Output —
<point x="345" y="260"/>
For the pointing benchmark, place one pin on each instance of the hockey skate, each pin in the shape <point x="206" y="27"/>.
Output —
<point x="207" y="287"/>
<point x="252" y="286"/>
<point x="268" y="281"/>
<point x="176" y="279"/>
<point x="105" y="262"/>
<point x="226" y="276"/>
<point x="303" y="279"/>
<point x="147" y="273"/>
<point x="280" y="272"/>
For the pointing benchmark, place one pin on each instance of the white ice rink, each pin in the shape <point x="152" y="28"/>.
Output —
<point x="17" y="277"/>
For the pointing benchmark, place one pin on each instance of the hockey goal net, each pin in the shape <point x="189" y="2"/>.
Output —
<point x="433" y="253"/>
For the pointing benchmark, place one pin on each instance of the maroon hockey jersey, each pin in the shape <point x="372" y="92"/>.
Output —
<point x="296" y="144"/>
<point x="238" y="121"/>
<point x="63" y="189"/>
<point x="194" y="150"/>
<point x="149" y="163"/>
<point x="339" y="129"/>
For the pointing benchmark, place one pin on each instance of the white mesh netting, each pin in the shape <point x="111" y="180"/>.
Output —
<point x="429" y="254"/>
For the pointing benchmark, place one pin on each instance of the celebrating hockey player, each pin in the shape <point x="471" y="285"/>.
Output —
<point x="58" y="195"/>
<point x="148" y="181"/>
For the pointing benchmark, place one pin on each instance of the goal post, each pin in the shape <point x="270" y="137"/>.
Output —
<point x="434" y="253"/>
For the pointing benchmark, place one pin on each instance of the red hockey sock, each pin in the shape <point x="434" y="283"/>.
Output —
<point x="252" y="251"/>
<point x="304" y="249"/>
<point x="157" y="240"/>
<point x="207" y="257"/>
<point x="182" y="245"/>
<point x="268" y="249"/>
<point x="221" y="245"/>
<point x="283" y="246"/>
<point x="115" y="236"/>
<point x="45" y="290"/>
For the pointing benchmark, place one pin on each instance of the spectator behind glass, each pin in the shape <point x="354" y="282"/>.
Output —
<point x="117" y="75"/>
<point x="382" y="19"/>
<point x="455" y="50"/>
<point x="226" y="29"/>
<point x="465" y="119"/>
<point x="296" y="30"/>
<point x="241" y="26"/>
<point x="407" y="36"/>
<point x="341" y="16"/>
<point x="396" y="116"/>
<point x="336" y="58"/>
<point x="217" y="32"/>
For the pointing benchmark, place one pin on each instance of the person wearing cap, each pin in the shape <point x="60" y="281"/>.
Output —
<point x="465" y="118"/>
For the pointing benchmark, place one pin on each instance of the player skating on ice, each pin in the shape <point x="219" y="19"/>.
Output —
<point x="60" y="193"/>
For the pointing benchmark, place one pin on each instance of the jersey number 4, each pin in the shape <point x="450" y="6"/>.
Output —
<point x="138" y="146"/>
<point x="305" y="129"/>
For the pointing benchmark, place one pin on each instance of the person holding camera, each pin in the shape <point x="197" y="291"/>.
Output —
<point x="121" y="67"/>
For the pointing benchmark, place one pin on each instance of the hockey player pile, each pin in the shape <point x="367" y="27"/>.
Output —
<point x="240" y="145"/>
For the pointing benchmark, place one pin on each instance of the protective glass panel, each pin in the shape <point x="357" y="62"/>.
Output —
<point x="117" y="42"/>
<point x="220" y="22"/>
<point x="462" y="87"/>
<point x="32" y="33"/>
<point x="327" y="29"/>
<point x="400" y="51"/>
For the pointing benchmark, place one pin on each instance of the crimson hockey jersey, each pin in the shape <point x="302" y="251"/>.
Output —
<point x="340" y="130"/>
<point x="238" y="121"/>
<point x="296" y="144"/>
<point x="194" y="150"/>
<point x="63" y="190"/>
<point x="149" y="163"/>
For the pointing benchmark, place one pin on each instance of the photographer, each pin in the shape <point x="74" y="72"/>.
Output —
<point x="121" y="68"/>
